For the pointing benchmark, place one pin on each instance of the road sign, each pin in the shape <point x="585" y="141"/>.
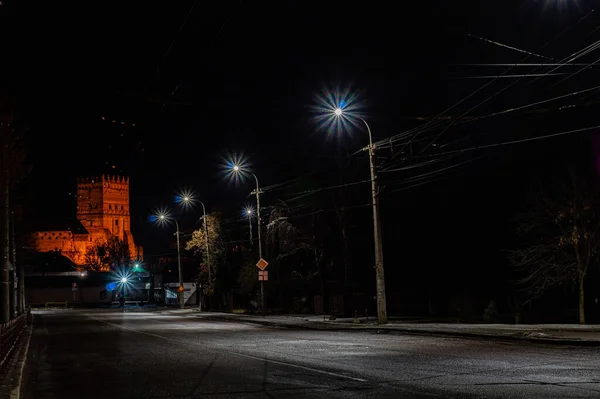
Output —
<point x="262" y="264"/>
<point x="263" y="275"/>
<point x="74" y="287"/>
<point x="181" y="289"/>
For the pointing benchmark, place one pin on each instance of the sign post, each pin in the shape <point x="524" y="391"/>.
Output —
<point x="263" y="276"/>
<point x="74" y="289"/>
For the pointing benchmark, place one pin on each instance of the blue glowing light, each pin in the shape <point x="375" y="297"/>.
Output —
<point x="342" y="104"/>
<point x="111" y="286"/>
<point x="152" y="218"/>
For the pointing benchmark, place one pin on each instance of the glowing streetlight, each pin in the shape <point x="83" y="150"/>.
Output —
<point x="236" y="168"/>
<point x="123" y="280"/>
<point x="163" y="218"/>
<point x="186" y="200"/>
<point x="339" y="114"/>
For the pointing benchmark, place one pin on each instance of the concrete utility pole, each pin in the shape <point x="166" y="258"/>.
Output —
<point x="17" y="269"/>
<point x="379" y="271"/>
<point x="258" y="192"/>
<point x="4" y="230"/>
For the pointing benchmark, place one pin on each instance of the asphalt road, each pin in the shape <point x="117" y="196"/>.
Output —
<point x="116" y="354"/>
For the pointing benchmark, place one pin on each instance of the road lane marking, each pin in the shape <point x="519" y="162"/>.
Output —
<point x="233" y="353"/>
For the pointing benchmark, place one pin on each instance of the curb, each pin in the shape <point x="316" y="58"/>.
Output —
<point x="401" y="331"/>
<point x="12" y="381"/>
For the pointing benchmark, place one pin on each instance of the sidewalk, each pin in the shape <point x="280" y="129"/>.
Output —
<point x="561" y="334"/>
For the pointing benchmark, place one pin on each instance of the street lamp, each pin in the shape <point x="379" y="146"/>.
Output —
<point x="249" y="212"/>
<point x="188" y="200"/>
<point x="122" y="299"/>
<point x="238" y="169"/>
<point x="163" y="218"/>
<point x="338" y="112"/>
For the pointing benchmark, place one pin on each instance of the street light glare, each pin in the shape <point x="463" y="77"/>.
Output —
<point x="123" y="280"/>
<point x="338" y="110"/>
<point x="236" y="168"/>
<point x="186" y="199"/>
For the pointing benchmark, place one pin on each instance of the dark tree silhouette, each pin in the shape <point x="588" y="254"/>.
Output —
<point x="108" y="254"/>
<point x="561" y="239"/>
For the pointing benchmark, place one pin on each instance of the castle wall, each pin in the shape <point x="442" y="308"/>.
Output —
<point x="103" y="210"/>
<point x="73" y="246"/>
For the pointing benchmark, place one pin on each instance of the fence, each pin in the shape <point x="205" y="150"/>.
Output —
<point x="9" y="336"/>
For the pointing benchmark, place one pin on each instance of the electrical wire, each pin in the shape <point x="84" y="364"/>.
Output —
<point x="492" y="81"/>
<point x="547" y="136"/>
<point x="214" y="39"/>
<point x="302" y="194"/>
<point x="183" y="24"/>
<point x="510" y="47"/>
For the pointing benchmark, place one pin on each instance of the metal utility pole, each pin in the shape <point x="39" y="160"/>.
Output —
<point x="122" y="301"/>
<point x="379" y="271"/>
<point x="250" y="228"/>
<point x="179" y="290"/>
<point x="208" y="262"/>
<point x="207" y="244"/>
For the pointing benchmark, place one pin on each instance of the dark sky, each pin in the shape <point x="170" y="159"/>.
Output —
<point x="244" y="74"/>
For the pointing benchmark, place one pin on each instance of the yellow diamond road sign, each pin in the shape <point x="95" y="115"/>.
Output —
<point x="262" y="264"/>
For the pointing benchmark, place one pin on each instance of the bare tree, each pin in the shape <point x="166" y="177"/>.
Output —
<point x="284" y="239"/>
<point x="561" y="236"/>
<point x="108" y="254"/>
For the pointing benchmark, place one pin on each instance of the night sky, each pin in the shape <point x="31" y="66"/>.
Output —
<point x="189" y="83"/>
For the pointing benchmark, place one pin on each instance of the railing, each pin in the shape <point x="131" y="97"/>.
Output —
<point x="9" y="336"/>
<point x="55" y="304"/>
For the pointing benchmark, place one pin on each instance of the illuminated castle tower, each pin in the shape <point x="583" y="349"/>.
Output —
<point x="103" y="206"/>
<point x="103" y="211"/>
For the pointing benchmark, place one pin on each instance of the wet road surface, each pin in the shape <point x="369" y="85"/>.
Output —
<point x="133" y="354"/>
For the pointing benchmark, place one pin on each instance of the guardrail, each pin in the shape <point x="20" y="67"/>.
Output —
<point x="9" y="336"/>
<point x="55" y="304"/>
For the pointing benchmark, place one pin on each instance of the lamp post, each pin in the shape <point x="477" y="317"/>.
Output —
<point x="379" y="271"/>
<point x="249" y="212"/>
<point x="163" y="217"/>
<point x="257" y="192"/>
<point x="188" y="200"/>
<point x="123" y="283"/>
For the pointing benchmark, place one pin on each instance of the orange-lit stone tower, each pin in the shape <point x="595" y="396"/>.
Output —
<point x="103" y="211"/>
